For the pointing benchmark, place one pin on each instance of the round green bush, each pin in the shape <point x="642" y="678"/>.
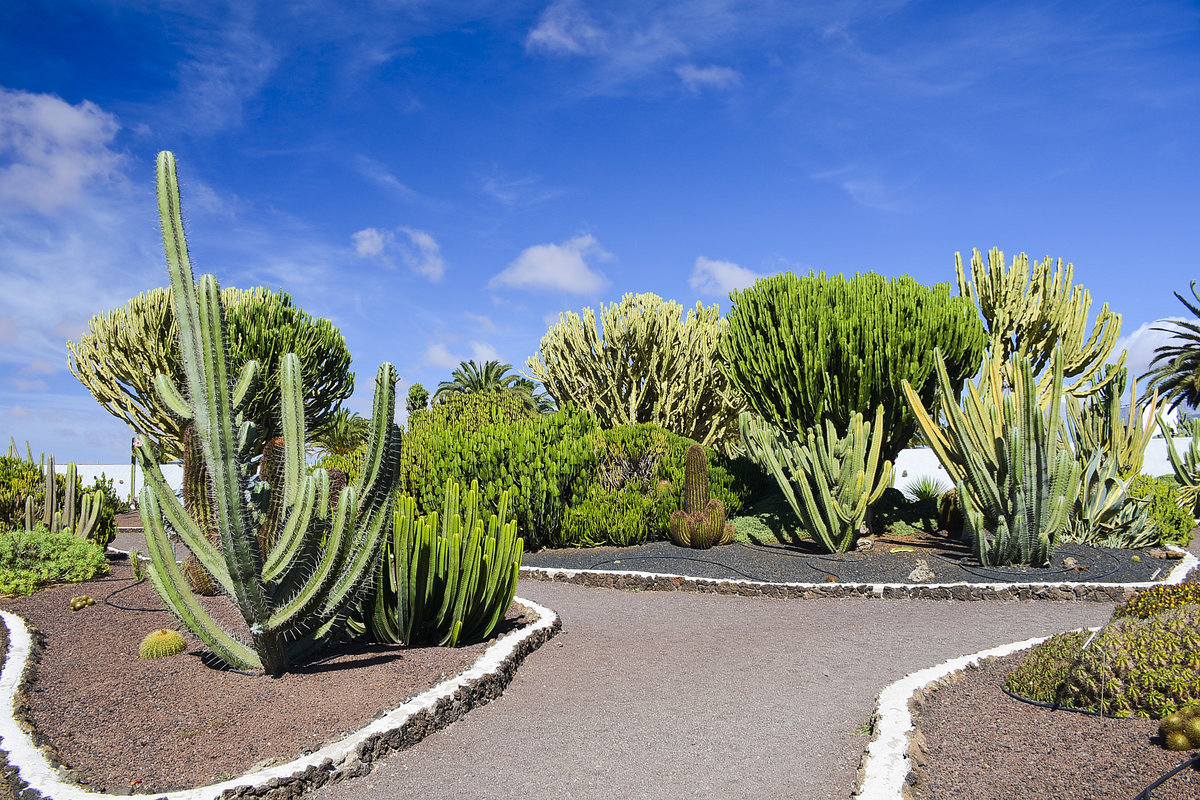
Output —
<point x="32" y="559"/>
<point x="1173" y="523"/>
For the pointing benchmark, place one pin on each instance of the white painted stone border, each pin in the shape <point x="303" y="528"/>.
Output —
<point x="1176" y="575"/>
<point x="886" y="765"/>
<point x="36" y="771"/>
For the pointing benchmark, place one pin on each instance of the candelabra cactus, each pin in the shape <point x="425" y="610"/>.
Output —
<point x="293" y="594"/>
<point x="838" y="478"/>
<point x="1016" y="479"/>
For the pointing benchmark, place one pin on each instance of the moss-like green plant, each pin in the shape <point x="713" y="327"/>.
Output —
<point x="160" y="643"/>
<point x="1164" y="501"/>
<point x="30" y="560"/>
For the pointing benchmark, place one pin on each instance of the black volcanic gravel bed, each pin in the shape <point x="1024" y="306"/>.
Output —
<point x="889" y="561"/>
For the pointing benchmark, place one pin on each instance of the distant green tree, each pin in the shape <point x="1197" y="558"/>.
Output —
<point x="418" y="399"/>
<point x="471" y="377"/>
<point x="345" y="432"/>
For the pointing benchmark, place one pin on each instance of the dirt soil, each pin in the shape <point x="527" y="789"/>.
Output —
<point x="982" y="744"/>
<point x="155" y="725"/>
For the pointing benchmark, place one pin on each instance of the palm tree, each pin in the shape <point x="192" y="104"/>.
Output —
<point x="538" y="403"/>
<point x="345" y="432"/>
<point x="1175" y="370"/>
<point x="470" y="377"/>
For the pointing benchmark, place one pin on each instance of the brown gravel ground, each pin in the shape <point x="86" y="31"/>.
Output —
<point x="984" y="745"/>
<point x="160" y="724"/>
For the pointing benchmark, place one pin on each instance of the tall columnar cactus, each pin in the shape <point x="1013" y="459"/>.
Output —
<point x="803" y="350"/>
<point x="293" y="595"/>
<point x="1016" y="478"/>
<point x="837" y="477"/>
<point x="1095" y="424"/>
<point x="695" y="479"/>
<point x="640" y="360"/>
<point x="446" y="580"/>
<point x="80" y="513"/>
<point x="1033" y="308"/>
<point x="1187" y="466"/>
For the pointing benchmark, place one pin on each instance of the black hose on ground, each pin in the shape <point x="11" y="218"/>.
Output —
<point x="1144" y="794"/>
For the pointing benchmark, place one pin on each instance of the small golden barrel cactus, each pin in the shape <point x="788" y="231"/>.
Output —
<point x="81" y="602"/>
<point x="1181" y="730"/>
<point x="162" y="643"/>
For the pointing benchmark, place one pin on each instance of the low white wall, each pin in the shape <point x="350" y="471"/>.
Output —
<point x="918" y="462"/>
<point x="911" y="465"/>
<point x="123" y="474"/>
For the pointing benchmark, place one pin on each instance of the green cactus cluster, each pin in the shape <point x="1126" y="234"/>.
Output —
<point x="1180" y="730"/>
<point x="548" y="458"/>
<point x="1146" y="667"/>
<point x="81" y="513"/>
<point x="19" y="478"/>
<point x="807" y="350"/>
<point x="448" y="578"/>
<point x="643" y="360"/>
<point x="830" y="480"/>
<point x="1095" y="423"/>
<point x="162" y="643"/>
<point x="622" y="517"/>
<point x="1033" y="307"/>
<point x="1187" y="466"/>
<point x="1016" y="479"/>
<point x="292" y="596"/>
<point x="701" y="522"/>
<point x="80" y="602"/>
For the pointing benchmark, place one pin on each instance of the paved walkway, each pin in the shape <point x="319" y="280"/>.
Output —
<point x="684" y="695"/>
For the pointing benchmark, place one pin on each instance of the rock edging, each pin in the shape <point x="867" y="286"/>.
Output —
<point x="889" y="765"/>
<point x="353" y="756"/>
<point x="652" y="581"/>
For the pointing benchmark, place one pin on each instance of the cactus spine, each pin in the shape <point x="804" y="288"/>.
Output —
<point x="837" y="478"/>
<point x="1033" y="308"/>
<point x="1016" y="479"/>
<point x="451" y="582"/>
<point x="293" y="595"/>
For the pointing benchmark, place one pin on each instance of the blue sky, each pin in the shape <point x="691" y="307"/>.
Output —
<point x="441" y="179"/>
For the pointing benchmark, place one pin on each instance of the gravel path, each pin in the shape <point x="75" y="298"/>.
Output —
<point x="683" y="695"/>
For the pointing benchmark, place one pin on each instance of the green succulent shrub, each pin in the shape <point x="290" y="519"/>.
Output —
<point x="1133" y="667"/>
<point x="1173" y="522"/>
<point x="1157" y="599"/>
<point x="113" y="501"/>
<point x="548" y="458"/>
<point x="445" y="578"/>
<point x="621" y="517"/>
<point x="30" y="560"/>
<point x="19" y="479"/>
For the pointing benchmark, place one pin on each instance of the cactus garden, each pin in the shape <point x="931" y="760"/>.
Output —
<point x="349" y="556"/>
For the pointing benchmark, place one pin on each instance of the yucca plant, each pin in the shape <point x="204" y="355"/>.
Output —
<point x="294" y="592"/>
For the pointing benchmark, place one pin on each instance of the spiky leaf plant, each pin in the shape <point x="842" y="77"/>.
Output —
<point x="293" y="595"/>
<point x="1175" y="370"/>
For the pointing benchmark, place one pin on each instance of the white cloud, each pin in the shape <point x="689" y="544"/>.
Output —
<point x="482" y="320"/>
<point x="439" y="355"/>
<point x="865" y="188"/>
<point x="420" y="253"/>
<point x="52" y="151"/>
<point x="719" y="278"/>
<point x="375" y="171"/>
<point x="711" y="77"/>
<point x="482" y="352"/>
<point x="1141" y="344"/>
<point x="561" y="267"/>
<point x="565" y="29"/>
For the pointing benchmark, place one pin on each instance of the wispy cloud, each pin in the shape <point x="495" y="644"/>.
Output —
<point x="719" y="278"/>
<point x="516" y="192"/>
<point x="1141" y="345"/>
<point x="712" y="76"/>
<point x="565" y="28"/>
<point x="559" y="267"/>
<point x="482" y="321"/>
<point x="420" y="253"/>
<point x="378" y="172"/>
<point x="866" y="188"/>
<point x="440" y="355"/>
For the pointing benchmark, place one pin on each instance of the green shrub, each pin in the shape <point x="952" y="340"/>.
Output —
<point x="548" y="458"/>
<point x="30" y="560"/>
<point x="619" y="517"/>
<point x="1173" y="522"/>
<point x="351" y="463"/>
<point x="1158" y="599"/>
<point x="113" y="501"/>
<point x="1144" y="667"/>
<point x="18" y="479"/>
